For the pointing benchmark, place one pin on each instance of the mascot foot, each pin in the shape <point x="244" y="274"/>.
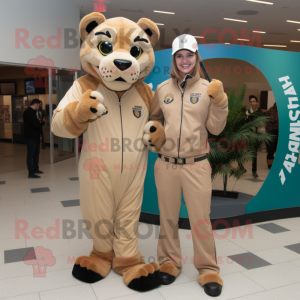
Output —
<point x="93" y="268"/>
<point x="143" y="278"/>
<point x="137" y="275"/>
<point x="85" y="275"/>
<point x="212" y="283"/>
<point x="168" y="272"/>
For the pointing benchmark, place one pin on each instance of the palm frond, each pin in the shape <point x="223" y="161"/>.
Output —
<point x="241" y="134"/>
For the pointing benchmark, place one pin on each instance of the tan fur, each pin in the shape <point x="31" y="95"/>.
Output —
<point x="121" y="265"/>
<point x="158" y="137"/>
<point x="138" y="271"/>
<point x="133" y="267"/>
<point x="70" y="120"/>
<point x="210" y="277"/>
<point x="146" y="93"/>
<point x="98" y="262"/>
<point x="169" y="268"/>
<point x="99" y="18"/>
<point x="123" y="33"/>
<point x="146" y="23"/>
<point x="88" y="82"/>
<point x="216" y="90"/>
<point x="76" y="115"/>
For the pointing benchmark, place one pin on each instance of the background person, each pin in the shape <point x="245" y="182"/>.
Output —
<point x="188" y="113"/>
<point x="273" y="128"/>
<point x="32" y="130"/>
<point x="258" y="112"/>
<point x="41" y="114"/>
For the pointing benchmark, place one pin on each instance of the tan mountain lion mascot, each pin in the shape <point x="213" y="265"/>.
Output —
<point x="110" y="106"/>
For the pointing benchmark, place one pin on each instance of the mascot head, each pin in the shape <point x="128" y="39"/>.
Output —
<point x="117" y="51"/>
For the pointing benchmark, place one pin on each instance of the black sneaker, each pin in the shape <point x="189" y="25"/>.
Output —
<point x="39" y="172"/>
<point x="254" y="174"/>
<point x="33" y="176"/>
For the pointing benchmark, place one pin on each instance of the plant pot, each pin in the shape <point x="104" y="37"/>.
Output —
<point x="233" y="195"/>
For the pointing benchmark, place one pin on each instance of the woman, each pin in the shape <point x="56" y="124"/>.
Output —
<point x="189" y="110"/>
<point x="254" y="109"/>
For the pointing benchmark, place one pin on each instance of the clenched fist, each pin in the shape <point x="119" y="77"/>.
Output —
<point x="77" y="114"/>
<point x="154" y="136"/>
<point x="216" y="93"/>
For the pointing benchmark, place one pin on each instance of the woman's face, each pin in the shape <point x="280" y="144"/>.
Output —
<point x="253" y="103"/>
<point x="185" y="61"/>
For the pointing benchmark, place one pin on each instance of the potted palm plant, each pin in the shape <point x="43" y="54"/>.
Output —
<point x="237" y="143"/>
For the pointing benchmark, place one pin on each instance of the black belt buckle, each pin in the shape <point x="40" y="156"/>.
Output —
<point x="179" y="161"/>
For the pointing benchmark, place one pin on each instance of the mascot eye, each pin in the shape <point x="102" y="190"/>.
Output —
<point x="105" y="48"/>
<point x="136" y="52"/>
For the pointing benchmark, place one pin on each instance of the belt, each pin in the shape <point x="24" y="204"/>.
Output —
<point x="182" y="161"/>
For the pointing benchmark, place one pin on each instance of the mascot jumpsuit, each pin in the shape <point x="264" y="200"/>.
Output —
<point x="110" y="106"/>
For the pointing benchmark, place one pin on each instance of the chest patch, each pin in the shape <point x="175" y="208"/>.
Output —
<point x="169" y="98"/>
<point x="137" y="111"/>
<point x="194" y="97"/>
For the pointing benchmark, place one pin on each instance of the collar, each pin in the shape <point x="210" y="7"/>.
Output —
<point x="193" y="80"/>
<point x="189" y="81"/>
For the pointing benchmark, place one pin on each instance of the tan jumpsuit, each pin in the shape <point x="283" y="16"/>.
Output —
<point x="187" y="116"/>
<point x="112" y="166"/>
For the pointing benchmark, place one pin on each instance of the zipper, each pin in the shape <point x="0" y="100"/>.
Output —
<point x="121" y="128"/>
<point x="182" y="94"/>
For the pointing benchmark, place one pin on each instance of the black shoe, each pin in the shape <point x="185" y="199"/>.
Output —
<point x="254" y="174"/>
<point x="213" y="289"/>
<point x="39" y="172"/>
<point x="33" y="176"/>
<point x="269" y="166"/>
<point x="167" y="278"/>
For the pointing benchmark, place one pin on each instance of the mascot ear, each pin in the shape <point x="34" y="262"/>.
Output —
<point x="89" y="22"/>
<point x="151" y="30"/>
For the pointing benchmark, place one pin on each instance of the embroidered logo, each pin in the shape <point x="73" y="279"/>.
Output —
<point x="194" y="97"/>
<point x="183" y="41"/>
<point x="169" y="98"/>
<point x="137" y="111"/>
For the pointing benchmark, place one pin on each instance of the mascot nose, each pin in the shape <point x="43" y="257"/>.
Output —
<point x="122" y="64"/>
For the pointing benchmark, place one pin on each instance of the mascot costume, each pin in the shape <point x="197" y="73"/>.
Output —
<point x="110" y="106"/>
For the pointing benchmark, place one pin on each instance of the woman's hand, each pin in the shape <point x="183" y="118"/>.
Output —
<point x="154" y="136"/>
<point x="216" y="93"/>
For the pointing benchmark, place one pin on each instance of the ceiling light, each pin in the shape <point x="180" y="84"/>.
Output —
<point x="164" y="12"/>
<point x="199" y="37"/>
<point x="258" y="31"/>
<point x="235" y="20"/>
<point x="243" y="40"/>
<point x="295" y="41"/>
<point x="159" y="24"/>
<point x="289" y="21"/>
<point x="274" y="46"/>
<point x="227" y="43"/>
<point x="261" y="2"/>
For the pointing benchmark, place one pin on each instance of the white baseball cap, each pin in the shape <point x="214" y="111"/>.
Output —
<point x="184" y="41"/>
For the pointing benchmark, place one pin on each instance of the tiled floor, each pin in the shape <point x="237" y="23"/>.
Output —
<point x="262" y="264"/>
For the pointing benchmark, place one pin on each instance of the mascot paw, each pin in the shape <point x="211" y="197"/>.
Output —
<point x="143" y="277"/>
<point x="154" y="136"/>
<point x="90" y="269"/>
<point x="91" y="106"/>
<point x="216" y="93"/>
